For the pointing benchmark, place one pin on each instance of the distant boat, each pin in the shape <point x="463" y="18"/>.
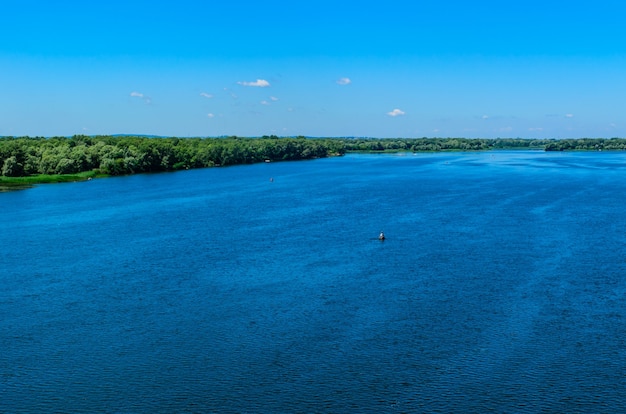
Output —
<point x="381" y="236"/>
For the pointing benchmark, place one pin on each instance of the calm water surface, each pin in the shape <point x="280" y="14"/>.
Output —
<point x="501" y="288"/>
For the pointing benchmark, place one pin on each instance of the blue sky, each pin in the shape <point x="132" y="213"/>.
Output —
<point x="532" y="69"/>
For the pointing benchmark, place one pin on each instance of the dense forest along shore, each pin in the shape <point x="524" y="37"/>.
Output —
<point x="31" y="160"/>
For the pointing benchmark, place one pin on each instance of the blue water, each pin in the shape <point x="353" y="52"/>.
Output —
<point x="500" y="288"/>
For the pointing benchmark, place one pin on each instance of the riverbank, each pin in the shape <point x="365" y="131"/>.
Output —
<point x="21" y="183"/>
<point x="79" y="158"/>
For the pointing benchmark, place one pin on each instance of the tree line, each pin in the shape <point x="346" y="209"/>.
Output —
<point x="587" y="144"/>
<point x="440" y="144"/>
<point x="117" y="155"/>
<point x="113" y="155"/>
<point x="481" y="144"/>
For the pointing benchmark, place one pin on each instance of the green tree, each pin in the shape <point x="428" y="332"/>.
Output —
<point x="12" y="168"/>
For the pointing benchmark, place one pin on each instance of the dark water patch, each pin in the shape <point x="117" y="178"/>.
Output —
<point x="13" y="187"/>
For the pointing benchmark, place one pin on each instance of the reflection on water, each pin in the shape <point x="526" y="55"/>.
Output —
<point x="13" y="187"/>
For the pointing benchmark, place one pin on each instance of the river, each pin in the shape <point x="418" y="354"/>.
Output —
<point x="263" y="288"/>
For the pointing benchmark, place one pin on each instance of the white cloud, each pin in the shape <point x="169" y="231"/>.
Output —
<point x="569" y="115"/>
<point x="206" y="95"/>
<point x="145" y="98"/>
<point x="271" y="98"/>
<point x="344" y="81"/>
<point x="396" y="112"/>
<point x="485" y="117"/>
<point x="260" y="83"/>
<point x="210" y="115"/>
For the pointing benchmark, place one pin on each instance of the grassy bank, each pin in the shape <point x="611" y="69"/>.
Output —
<point x="17" y="183"/>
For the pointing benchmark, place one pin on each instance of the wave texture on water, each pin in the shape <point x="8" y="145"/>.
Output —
<point x="500" y="287"/>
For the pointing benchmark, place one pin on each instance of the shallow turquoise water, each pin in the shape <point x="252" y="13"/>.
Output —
<point x="501" y="287"/>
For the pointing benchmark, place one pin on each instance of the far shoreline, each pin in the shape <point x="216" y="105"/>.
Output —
<point x="8" y="184"/>
<point x="85" y="158"/>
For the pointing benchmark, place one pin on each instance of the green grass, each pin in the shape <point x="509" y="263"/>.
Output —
<point x="17" y="183"/>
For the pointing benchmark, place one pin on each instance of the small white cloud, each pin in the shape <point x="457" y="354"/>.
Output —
<point x="273" y="98"/>
<point x="145" y="98"/>
<point x="485" y="117"/>
<point x="569" y="115"/>
<point x="210" y="115"/>
<point x="396" y="112"/>
<point x="260" y="83"/>
<point x="265" y="103"/>
<point x="206" y="95"/>
<point x="344" y="81"/>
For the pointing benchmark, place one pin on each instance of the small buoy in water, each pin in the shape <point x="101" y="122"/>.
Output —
<point x="271" y="179"/>
<point x="381" y="236"/>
